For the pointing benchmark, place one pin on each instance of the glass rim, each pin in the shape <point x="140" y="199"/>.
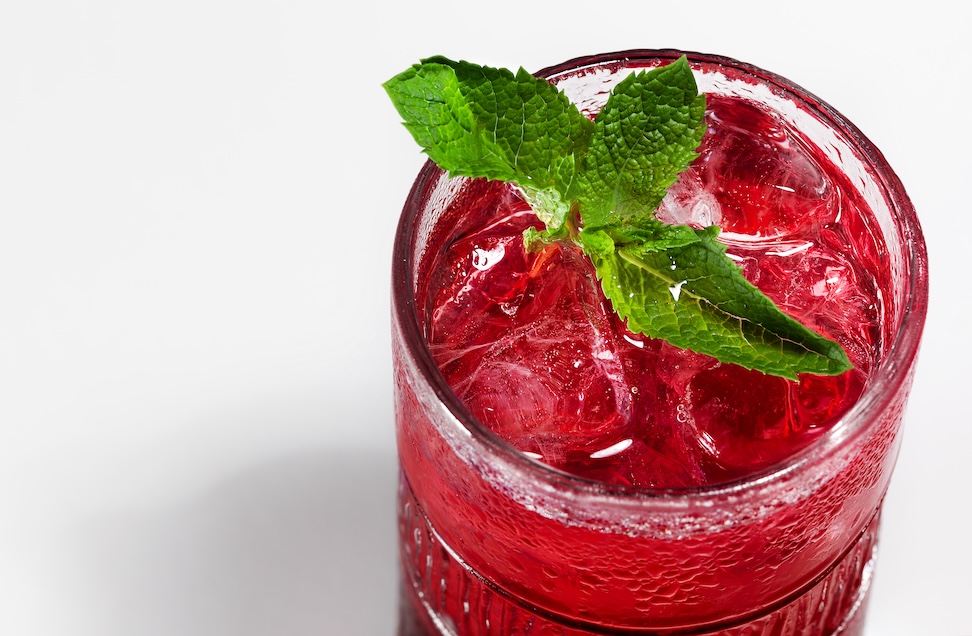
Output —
<point x="884" y="382"/>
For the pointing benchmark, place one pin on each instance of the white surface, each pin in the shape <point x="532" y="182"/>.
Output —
<point x="197" y="203"/>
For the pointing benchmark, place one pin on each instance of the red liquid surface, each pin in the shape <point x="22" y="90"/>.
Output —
<point x="530" y="345"/>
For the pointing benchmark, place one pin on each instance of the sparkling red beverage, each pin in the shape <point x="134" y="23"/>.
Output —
<point x="562" y="475"/>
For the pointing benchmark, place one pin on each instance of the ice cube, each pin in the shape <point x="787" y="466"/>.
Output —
<point x="548" y="377"/>
<point x="767" y="180"/>
<point x="688" y="202"/>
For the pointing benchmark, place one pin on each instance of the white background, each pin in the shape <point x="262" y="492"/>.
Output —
<point x="197" y="205"/>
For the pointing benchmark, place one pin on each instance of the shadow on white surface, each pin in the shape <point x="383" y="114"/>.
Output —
<point x="301" y="545"/>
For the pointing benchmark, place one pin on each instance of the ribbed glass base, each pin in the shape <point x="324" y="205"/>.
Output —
<point x="440" y="595"/>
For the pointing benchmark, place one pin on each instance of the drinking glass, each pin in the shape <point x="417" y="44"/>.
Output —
<point x="493" y="542"/>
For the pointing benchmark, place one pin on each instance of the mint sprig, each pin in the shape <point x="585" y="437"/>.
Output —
<point x="667" y="281"/>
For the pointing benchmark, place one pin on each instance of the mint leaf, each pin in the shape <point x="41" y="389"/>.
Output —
<point x="644" y="136"/>
<point x="685" y="290"/>
<point x="477" y="121"/>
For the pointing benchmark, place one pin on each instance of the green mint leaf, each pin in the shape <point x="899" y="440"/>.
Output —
<point x="647" y="133"/>
<point x="667" y="285"/>
<point x="477" y="121"/>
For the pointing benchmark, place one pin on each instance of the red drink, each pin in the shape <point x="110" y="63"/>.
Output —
<point x="578" y="478"/>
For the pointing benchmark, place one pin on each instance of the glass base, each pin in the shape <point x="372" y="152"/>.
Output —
<point x="441" y="596"/>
